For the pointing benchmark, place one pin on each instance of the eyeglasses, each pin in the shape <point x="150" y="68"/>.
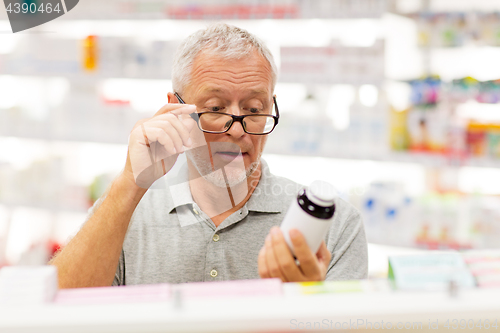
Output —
<point x="218" y="123"/>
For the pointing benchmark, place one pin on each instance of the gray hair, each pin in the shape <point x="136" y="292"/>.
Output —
<point x="222" y="39"/>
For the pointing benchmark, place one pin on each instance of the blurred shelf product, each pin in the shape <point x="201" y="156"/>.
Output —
<point x="459" y="120"/>
<point x="430" y="221"/>
<point x="458" y="29"/>
<point x="41" y="185"/>
<point x="89" y="60"/>
<point x="59" y="176"/>
<point x="224" y="10"/>
<point x="31" y="236"/>
<point x="442" y="6"/>
<point x="77" y="124"/>
<point x="333" y="64"/>
<point x="485" y="267"/>
<point x="46" y="189"/>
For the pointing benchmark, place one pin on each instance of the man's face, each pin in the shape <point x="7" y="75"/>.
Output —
<point x="236" y="87"/>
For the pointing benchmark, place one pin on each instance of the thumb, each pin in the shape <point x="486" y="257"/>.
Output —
<point x="323" y="253"/>
<point x="189" y="120"/>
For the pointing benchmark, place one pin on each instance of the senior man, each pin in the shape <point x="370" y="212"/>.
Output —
<point x="217" y="216"/>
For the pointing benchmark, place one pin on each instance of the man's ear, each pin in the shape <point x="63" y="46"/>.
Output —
<point x="172" y="98"/>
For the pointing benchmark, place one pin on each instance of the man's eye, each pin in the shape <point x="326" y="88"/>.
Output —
<point x="254" y="110"/>
<point x="215" y="108"/>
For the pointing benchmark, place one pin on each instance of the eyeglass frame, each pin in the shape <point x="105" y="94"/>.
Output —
<point x="196" y="117"/>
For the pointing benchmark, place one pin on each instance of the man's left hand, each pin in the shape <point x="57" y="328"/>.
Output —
<point x="276" y="259"/>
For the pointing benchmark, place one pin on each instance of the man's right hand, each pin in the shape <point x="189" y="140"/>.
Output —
<point x="90" y="258"/>
<point x="155" y="143"/>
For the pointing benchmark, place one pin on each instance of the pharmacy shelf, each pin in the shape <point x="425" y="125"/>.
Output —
<point x="224" y="10"/>
<point x="51" y="136"/>
<point x="430" y="311"/>
<point x="45" y="206"/>
<point x="82" y="77"/>
<point x="440" y="6"/>
<point x="92" y="78"/>
<point x="426" y="159"/>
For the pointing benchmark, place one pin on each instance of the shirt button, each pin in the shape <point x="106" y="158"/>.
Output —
<point x="215" y="238"/>
<point x="213" y="273"/>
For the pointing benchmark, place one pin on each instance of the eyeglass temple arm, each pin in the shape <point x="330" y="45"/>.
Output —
<point x="193" y="115"/>
<point x="277" y="111"/>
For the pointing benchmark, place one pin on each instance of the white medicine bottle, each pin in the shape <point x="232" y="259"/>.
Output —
<point x="311" y="213"/>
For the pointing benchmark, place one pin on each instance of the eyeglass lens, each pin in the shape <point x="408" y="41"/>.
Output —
<point x="217" y="122"/>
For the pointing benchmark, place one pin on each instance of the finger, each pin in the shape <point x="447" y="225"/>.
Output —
<point x="139" y="123"/>
<point x="154" y="134"/>
<point x="272" y="265"/>
<point x="185" y="119"/>
<point x="169" y="129"/>
<point x="137" y="135"/>
<point x="176" y="109"/>
<point x="187" y="109"/>
<point x="284" y="257"/>
<point x="308" y="261"/>
<point x="261" y="260"/>
<point x="324" y="256"/>
<point x="178" y="125"/>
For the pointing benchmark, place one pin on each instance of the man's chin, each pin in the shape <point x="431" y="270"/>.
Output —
<point x="218" y="179"/>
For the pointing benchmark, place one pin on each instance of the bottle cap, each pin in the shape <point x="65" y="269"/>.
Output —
<point x="321" y="193"/>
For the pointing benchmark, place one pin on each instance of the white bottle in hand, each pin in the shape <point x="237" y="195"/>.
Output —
<point x="311" y="213"/>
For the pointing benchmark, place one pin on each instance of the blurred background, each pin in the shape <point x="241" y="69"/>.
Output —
<point x="395" y="102"/>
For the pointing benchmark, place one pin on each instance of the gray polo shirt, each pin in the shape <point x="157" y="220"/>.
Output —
<point x="171" y="240"/>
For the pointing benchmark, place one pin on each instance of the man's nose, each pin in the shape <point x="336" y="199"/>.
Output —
<point x="236" y="129"/>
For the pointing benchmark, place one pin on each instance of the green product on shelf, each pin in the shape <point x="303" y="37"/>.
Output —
<point x="434" y="271"/>
<point x="494" y="143"/>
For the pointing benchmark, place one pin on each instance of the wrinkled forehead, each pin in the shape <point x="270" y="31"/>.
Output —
<point x="221" y="72"/>
<point x="212" y="58"/>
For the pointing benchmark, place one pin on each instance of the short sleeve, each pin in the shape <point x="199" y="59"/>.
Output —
<point x="349" y="250"/>
<point x="119" y="279"/>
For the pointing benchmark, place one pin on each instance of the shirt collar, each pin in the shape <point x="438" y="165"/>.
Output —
<point x="262" y="199"/>
<point x="178" y="188"/>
